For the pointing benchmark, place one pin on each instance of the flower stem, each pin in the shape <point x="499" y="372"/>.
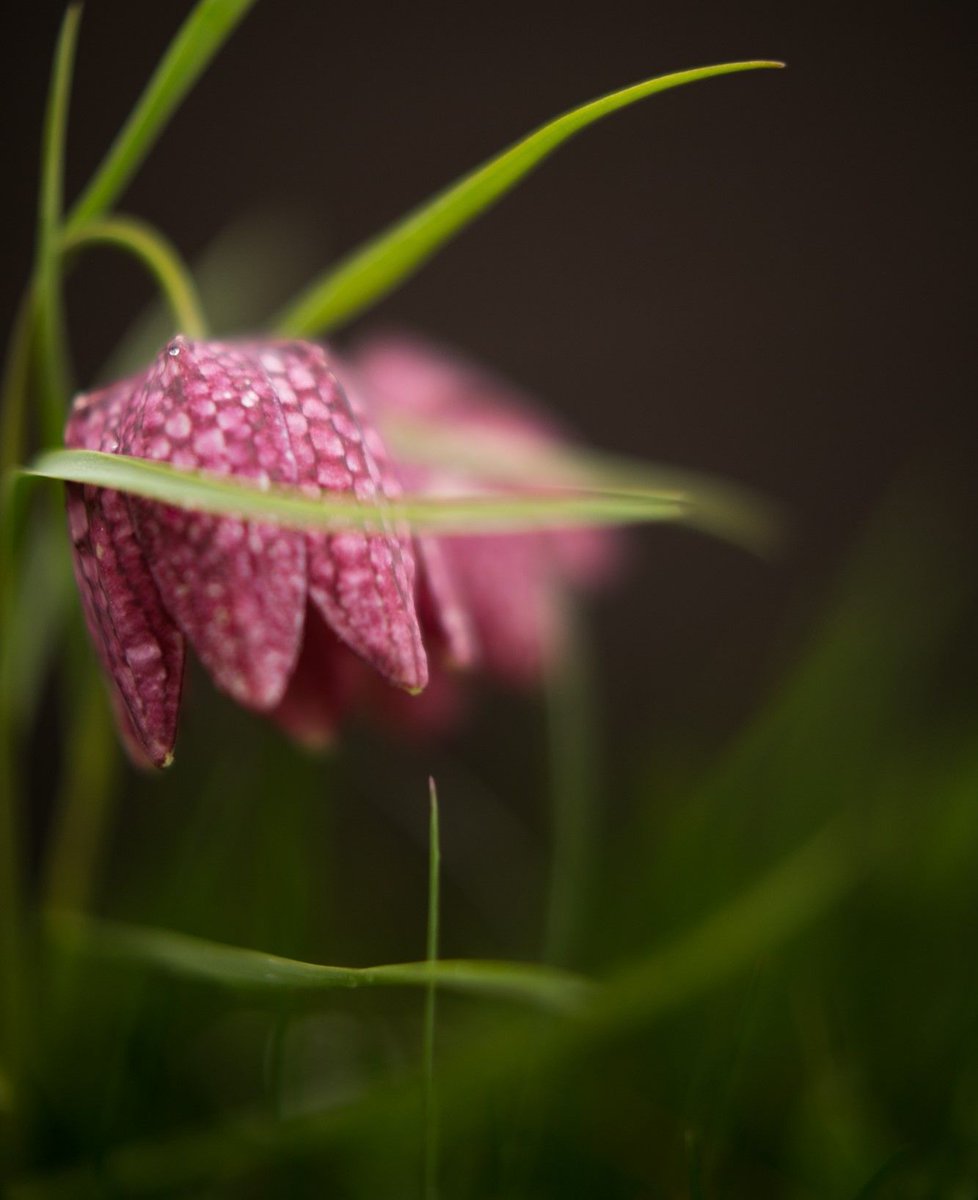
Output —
<point x="159" y="257"/>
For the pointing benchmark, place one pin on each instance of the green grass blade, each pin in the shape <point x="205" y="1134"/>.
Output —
<point x="199" y="39"/>
<point x="434" y="875"/>
<point x="51" y="340"/>
<point x="209" y="493"/>
<point x="39" y="326"/>
<point x="376" y="268"/>
<point x="725" y="510"/>
<point x="251" y="970"/>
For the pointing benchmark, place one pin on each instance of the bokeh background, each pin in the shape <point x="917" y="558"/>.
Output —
<point x="769" y="277"/>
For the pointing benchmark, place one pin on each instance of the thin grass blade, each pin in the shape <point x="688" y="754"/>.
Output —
<point x="375" y="269"/>
<point x="251" y="970"/>
<point x="199" y="39"/>
<point x="723" y="509"/>
<point x="495" y="513"/>
<point x="51" y="340"/>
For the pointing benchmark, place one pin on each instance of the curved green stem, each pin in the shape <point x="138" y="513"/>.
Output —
<point x="157" y="255"/>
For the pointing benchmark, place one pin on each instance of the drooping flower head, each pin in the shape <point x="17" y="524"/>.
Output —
<point x="308" y="627"/>
<point x="243" y="593"/>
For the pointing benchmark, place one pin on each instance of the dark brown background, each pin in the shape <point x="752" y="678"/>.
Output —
<point x="764" y="276"/>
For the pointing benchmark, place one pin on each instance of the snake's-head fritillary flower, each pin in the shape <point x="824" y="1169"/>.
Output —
<point x="245" y="594"/>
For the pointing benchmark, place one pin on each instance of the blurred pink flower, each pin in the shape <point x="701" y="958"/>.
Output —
<point x="493" y="600"/>
<point x="246" y="594"/>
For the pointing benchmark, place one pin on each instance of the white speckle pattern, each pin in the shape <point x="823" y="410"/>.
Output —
<point x="361" y="583"/>
<point x="178" y="426"/>
<point x="141" y="648"/>
<point x="243" y="612"/>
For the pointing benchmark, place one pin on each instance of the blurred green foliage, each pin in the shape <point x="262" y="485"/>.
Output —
<point x="781" y="939"/>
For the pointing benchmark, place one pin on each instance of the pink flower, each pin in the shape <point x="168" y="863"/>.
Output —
<point x="308" y="627"/>
<point x="247" y="595"/>
<point x="491" y="603"/>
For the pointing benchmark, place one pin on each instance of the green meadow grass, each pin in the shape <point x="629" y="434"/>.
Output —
<point x="771" y="984"/>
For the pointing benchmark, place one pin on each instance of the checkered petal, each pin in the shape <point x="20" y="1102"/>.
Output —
<point x="140" y="647"/>
<point x="236" y="588"/>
